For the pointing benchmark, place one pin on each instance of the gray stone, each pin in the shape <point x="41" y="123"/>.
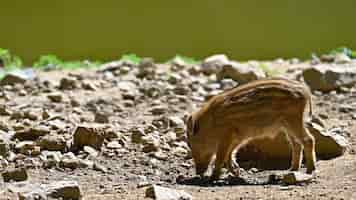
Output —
<point x="147" y="68"/>
<point x="214" y="64"/>
<point x="66" y="190"/>
<point x="53" y="142"/>
<point x="294" y="178"/>
<point x="329" y="77"/>
<point x="55" y="97"/>
<point x="88" y="85"/>
<point x="162" y="193"/>
<point x="68" y="83"/>
<point x="28" y="191"/>
<point x="150" y="144"/>
<point x="91" y="151"/>
<point x="113" y="145"/>
<point x="4" y="145"/>
<point x="32" y="133"/>
<point x="241" y="73"/>
<point x="137" y="134"/>
<point x="175" y="121"/>
<point x="25" y="147"/>
<point x="4" y="110"/>
<point x="17" y="174"/>
<point x="100" y="167"/>
<point x="50" y="158"/>
<point x="69" y="160"/>
<point x="101" y="118"/>
<point x="17" y="77"/>
<point x="88" y="136"/>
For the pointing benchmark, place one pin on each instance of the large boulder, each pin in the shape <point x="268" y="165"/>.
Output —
<point x="241" y="73"/>
<point x="329" y="77"/>
<point x="276" y="153"/>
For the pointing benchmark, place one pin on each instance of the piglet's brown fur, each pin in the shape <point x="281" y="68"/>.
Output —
<point x="258" y="109"/>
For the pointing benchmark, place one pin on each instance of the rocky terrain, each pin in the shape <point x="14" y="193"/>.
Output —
<point x="118" y="132"/>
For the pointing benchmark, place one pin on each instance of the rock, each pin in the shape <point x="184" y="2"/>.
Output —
<point x="147" y="68"/>
<point x="100" y="168"/>
<point x="88" y="85"/>
<point x="158" y="110"/>
<point x="17" y="77"/>
<point x="56" y="97"/>
<point x="294" y="178"/>
<point x="66" y="190"/>
<point x="28" y="191"/>
<point x="181" y="90"/>
<point x="50" y="158"/>
<point x="101" y="118"/>
<point x="175" y="121"/>
<point x="159" y="155"/>
<point x="161" y="193"/>
<point x="17" y="174"/>
<point x="150" y="144"/>
<point x="18" y="114"/>
<point x="241" y="73"/>
<point x="32" y="133"/>
<point x="328" y="145"/>
<point x="126" y="86"/>
<point x="3" y="163"/>
<point x="214" y="64"/>
<point x="326" y="78"/>
<point x="69" y="160"/>
<point x="180" y="152"/>
<point x="113" y="145"/>
<point x="4" y="145"/>
<point x="137" y="134"/>
<point x="88" y="136"/>
<point x="115" y="65"/>
<point x="53" y="142"/>
<point x="31" y="115"/>
<point x="68" y="83"/>
<point x="4" y="110"/>
<point x="26" y="147"/>
<point x="91" y="151"/>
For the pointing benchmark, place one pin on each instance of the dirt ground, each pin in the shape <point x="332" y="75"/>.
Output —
<point x="129" y="169"/>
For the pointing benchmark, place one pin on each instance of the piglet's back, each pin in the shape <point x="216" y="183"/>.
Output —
<point x="259" y="99"/>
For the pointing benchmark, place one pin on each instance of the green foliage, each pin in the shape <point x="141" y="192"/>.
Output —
<point x="9" y="61"/>
<point x="344" y="50"/>
<point x="53" y="62"/>
<point x="185" y="59"/>
<point x="132" y="58"/>
<point x="353" y="54"/>
<point x="47" y="61"/>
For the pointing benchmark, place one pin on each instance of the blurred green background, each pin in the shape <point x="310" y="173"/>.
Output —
<point x="243" y="30"/>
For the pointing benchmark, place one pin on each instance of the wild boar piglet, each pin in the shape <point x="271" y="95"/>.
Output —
<point x="258" y="109"/>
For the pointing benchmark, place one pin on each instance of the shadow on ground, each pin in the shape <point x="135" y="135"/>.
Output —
<point x="271" y="179"/>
